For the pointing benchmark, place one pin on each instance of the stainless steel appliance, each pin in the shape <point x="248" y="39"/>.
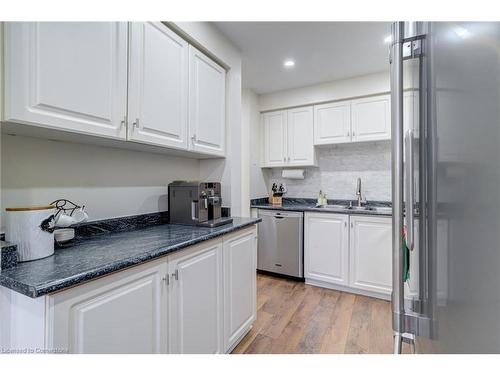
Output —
<point x="445" y="95"/>
<point x="280" y="248"/>
<point x="196" y="203"/>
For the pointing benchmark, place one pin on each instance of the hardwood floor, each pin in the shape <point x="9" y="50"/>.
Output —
<point x="293" y="317"/>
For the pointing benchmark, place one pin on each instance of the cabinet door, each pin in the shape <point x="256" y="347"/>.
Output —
<point x="332" y="123"/>
<point x="371" y="118"/>
<point x="300" y="137"/>
<point x="195" y="317"/>
<point x="158" y="86"/>
<point x="121" y="313"/>
<point x="67" y="75"/>
<point x="240" y="293"/>
<point x="274" y="134"/>
<point x="207" y="103"/>
<point x="326" y="247"/>
<point x="371" y="253"/>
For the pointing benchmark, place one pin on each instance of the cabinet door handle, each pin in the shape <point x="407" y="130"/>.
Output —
<point x="166" y="279"/>
<point x="175" y="275"/>
<point x="193" y="138"/>
<point x="136" y="123"/>
<point x="348" y="134"/>
<point x="353" y="134"/>
<point x="123" y="122"/>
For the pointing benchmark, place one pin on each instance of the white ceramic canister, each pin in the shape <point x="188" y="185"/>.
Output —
<point x="31" y="229"/>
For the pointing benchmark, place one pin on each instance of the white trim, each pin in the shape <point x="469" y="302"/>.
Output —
<point x="348" y="289"/>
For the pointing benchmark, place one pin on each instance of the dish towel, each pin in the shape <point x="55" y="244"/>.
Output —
<point x="406" y="258"/>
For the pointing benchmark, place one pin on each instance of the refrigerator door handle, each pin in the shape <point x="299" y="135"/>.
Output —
<point x="410" y="190"/>
<point x="396" y="64"/>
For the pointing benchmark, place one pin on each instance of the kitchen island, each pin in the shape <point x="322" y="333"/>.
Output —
<point x="158" y="289"/>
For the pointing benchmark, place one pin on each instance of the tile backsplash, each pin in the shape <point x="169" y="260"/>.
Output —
<point x="339" y="166"/>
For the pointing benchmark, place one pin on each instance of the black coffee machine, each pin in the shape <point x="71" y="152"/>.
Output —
<point x="196" y="203"/>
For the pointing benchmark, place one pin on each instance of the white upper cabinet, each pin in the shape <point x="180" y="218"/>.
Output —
<point x="207" y="85"/>
<point x="288" y="138"/>
<point x="371" y="253"/>
<point x="67" y="75"/>
<point x="300" y="136"/>
<point x="371" y="118"/>
<point x="365" y="119"/>
<point x="274" y="129"/>
<point x="332" y="123"/>
<point x="139" y="82"/>
<point x="158" y="86"/>
<point x="326" y="247"/>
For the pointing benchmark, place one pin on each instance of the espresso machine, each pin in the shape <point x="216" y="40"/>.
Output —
<point x="196" y="203"/>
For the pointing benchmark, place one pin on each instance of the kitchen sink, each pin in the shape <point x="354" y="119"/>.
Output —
<point x="336" y="206"/>
<point x="386" y="210"/>
<point x="360" y="208"/>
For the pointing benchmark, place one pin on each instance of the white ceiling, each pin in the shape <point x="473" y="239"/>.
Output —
<point x="323" y="51"/>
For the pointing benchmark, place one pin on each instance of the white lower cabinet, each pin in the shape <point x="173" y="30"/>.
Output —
<point x="371" y="253"/>
<point x="350" y="253"/>
<point x="121" y="313"/>
<point x="201" y="299"/>
<point x="195" y="300"/>
<point x="326" y="240"/>
<point x="240" y="291"/>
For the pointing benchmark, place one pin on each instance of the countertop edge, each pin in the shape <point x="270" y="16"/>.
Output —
<point x="320" y="209"/>
<point x="35" y="291"/>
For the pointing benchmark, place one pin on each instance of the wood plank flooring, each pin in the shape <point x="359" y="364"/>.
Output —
<point x="293" y="317"/>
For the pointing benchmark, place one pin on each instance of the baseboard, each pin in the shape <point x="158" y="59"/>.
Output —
<point x="269" y="273"/>
<point x="243" y="334"/>
<point x="348" y="289"/>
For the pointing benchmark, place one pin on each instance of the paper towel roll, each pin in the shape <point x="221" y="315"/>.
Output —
<point x="293" y="174"/>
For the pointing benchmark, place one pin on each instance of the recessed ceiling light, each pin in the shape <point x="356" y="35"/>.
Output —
<point x="289" y="63"/>
<point x="388" y="39"/>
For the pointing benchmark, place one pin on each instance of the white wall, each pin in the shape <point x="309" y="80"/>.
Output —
<point x="342" y="89"/>
<point x="110" y="182"/>
<point x="338" y="169"/>
<point x="227" y="171"/>
<point x="115" y="182"/>
<point x="258" y="177"/>
<point x="338" y="166"/>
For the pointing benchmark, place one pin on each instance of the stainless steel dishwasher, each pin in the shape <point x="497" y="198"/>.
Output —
<point x="281" y="242"/>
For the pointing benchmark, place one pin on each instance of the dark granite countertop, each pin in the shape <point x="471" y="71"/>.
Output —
<point x="299" y="204"/>
<point x="98" y="255"/>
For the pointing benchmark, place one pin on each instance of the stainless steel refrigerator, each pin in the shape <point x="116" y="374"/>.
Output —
<point x="445" y="103"/>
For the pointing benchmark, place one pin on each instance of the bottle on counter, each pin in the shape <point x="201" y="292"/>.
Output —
<point x="321" y="199"/>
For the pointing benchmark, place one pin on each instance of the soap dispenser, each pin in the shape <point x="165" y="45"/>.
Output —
<point x="321" y="199"/>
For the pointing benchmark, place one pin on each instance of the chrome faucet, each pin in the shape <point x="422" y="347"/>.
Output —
<point x="358" y="192"/>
